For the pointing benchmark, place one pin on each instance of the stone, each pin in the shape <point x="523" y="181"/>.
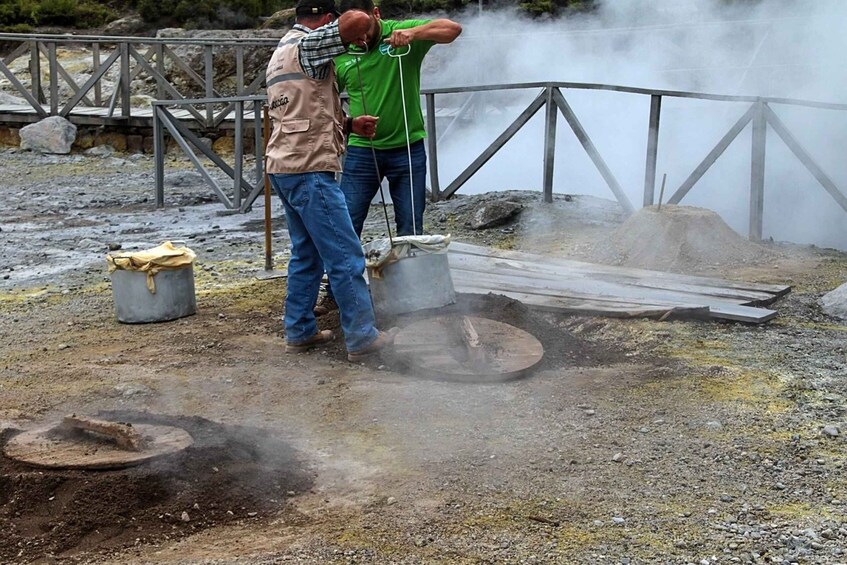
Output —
<point x="9" y="137"/>
<point x="6" y="99"/>
<point x="50" y="135"/>
<point x="135" y="143"/>
<point x="494" y="213"/>
<point x="141" y="101"/>
<point x="224" y="145"/>
<point x="834" y="303"/>
<point x="282" y="19"/>
<point x="100" y="151"/>
<point x="116" y="140"/>
<point x="831" y="431"/>
<point x="129" y="25"/>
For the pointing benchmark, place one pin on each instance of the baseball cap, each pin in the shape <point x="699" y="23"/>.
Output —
<point x="315" y="7"/>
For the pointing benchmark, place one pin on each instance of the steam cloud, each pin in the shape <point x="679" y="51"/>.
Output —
<point x="776" y="48"/>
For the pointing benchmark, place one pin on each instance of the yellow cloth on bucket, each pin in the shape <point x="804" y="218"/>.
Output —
<point x="151" y="261"/>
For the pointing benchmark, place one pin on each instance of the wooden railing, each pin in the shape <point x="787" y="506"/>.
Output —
<point x="130" y="58"/>
<point x="551" y="98"/>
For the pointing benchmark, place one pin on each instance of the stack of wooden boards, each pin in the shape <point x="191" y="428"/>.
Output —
<point x="585" y="288"/>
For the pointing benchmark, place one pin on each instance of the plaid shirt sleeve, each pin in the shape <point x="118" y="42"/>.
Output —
<point x="319" y="48"/>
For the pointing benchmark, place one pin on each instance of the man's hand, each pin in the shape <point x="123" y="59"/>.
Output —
<point x="365" y="126"/>
<point x="400" y="37"/>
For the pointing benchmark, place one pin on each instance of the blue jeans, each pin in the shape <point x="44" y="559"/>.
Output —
<point x="360" y="183"/>
<point x="322" y="237"/>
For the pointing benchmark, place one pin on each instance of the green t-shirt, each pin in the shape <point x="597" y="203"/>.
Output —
<point x="380" y="74"/>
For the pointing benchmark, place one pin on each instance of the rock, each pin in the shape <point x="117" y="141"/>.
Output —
<point x="113" y="246"/>
<point x="617" y="457"/>
<point x="132" y="389"/>
<point x="87" y="243"/>
<point x="831" y="431"/>
<point x="713" y="425"/>
<point x="99" y="151"/>
<point x="50" y="135"/>
<point x="618" y="520"/>
<point x="141" y="101"/>
<point x="182" y="178"/>
<point x="494" y="213"/>
<point x="184" y="516"/>
<point x="129" y="25"/>
<point x="282" y="19"/>
<point x="834" y="303"/>
<point x="6" y="98"/>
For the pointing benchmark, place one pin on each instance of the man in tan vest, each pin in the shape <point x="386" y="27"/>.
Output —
<point x="303" y="156"/>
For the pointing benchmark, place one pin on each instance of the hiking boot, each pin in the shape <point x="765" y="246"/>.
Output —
<point x="325" y="305"/>
<point x="383" y="340"/>
<point x="320" y="338"/>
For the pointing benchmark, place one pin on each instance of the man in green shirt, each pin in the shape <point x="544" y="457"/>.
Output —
<point x="372" y="78"/>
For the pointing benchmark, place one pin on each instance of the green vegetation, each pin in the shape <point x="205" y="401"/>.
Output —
<point x="24" y="16"/>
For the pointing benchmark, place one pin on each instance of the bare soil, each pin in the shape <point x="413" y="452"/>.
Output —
<point x="636" y="441"/>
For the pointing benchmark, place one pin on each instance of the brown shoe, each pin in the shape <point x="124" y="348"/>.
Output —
<point x="325" y="305"/>
<point x="320" y="338"/>
<point x="383" y="340"/>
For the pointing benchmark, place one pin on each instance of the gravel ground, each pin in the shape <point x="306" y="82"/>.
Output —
<point x="696" y="442"/>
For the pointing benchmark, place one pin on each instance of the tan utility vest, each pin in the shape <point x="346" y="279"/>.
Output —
<point x="307" y="134"/>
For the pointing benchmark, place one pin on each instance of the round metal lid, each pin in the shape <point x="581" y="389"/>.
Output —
<point x="467" y="349"/>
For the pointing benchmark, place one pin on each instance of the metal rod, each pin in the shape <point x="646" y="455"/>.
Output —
<point x="266" y="134"/>
<point x="376" y="162"/>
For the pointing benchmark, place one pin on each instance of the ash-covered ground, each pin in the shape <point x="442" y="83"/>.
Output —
<point x="666" y="442"/>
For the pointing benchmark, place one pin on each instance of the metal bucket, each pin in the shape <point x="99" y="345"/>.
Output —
<point x="416" y="282"/>
<point x="135" y="304"/>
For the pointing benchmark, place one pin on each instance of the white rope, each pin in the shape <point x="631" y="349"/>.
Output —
<point x="399" y="57"/>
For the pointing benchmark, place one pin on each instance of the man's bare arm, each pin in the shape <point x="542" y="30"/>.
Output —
<point x="438" y="31"/>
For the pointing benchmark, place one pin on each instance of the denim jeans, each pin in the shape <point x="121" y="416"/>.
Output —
<point x="322" y="238"/>
<point x="360" y="183"/>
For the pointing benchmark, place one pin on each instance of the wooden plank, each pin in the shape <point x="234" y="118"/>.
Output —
<point x="587" y="290"/>
<point x="597" y="306"/>
<point x="458" y="247"/>
<point x="536" y="271"/>
<point x="552" y="286"/>
<point x="612" y="307"/>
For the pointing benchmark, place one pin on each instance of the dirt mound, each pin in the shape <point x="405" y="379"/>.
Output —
<point x="228" y="474"/>
<point x="679" y="239"/>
